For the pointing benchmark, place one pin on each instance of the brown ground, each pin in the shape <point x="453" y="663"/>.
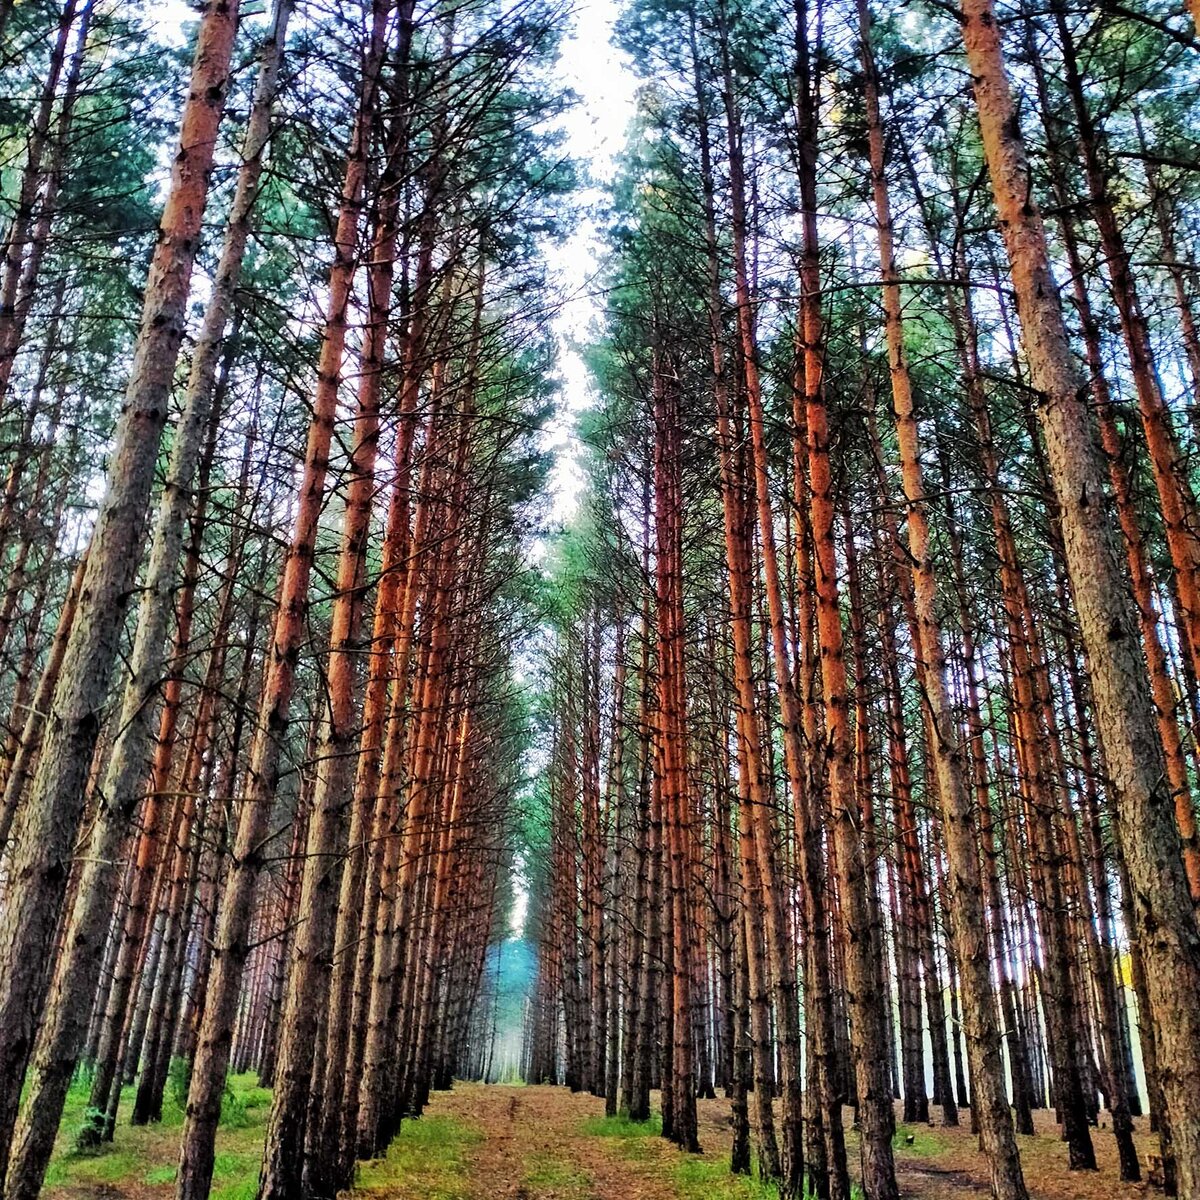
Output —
<point x="491" y="1142"/>
<point x="541" y="1143"/>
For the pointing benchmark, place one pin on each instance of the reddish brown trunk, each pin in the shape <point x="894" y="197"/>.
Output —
<point x="53" y="808"/>
<point x="1165" y="918"/>
<point x="672" y="750"/>
<point x="232" y="947"/>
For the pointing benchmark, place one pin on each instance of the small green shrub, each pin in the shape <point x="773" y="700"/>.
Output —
<point x="179" y="1079"/>
<point x="621" y="1126"/>
<point x="233" y="1109"/>
<point x="256" y="1097"/>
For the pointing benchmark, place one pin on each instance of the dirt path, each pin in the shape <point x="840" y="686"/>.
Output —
<point x="542" y="1143"/>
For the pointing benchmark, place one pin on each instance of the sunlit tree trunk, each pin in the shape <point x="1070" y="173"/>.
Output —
<point x="231" y="941"/>
<point x="668" y="512"/>
<point x="966" y="887"/>
<point x="1165" y="921"/>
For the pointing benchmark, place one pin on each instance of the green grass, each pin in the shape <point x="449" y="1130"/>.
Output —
<point x="631" y="1137"/>
<point x="547" y="1172"/>
<point x="634" y="1150"/>
<point x="113" y="1167"/>
<point x="235" y="1172"/>
<point x="242" y="1189"/>
<point x="925" y="1144"/>
<point x="622" y="1127"/>
<point x="428" y="1159"/>
<point x="147" y="1156"/>
<point x="708" y="1178"/>
<point x="694" y="1176"/>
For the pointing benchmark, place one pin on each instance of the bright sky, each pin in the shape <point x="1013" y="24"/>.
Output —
<point x="596" y="128"/>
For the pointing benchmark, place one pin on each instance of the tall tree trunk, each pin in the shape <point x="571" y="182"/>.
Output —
<point x="61" y="1035"/>
<point x="668" y="512"/>
<point x="1165" y="920"/>
<point x="231" y="942"/>
<point x="982" y="1029"/>
<point x="52" y="811"/>
<point x="1181" y="518"/>
<point x="308" y="978"/>
<point x="864" y="960"/>
<point x="19" y="250"/>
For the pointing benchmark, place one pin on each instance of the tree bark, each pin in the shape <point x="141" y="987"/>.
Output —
<point x="1165" y="921"/>
<point x="230" y="944"/>
<point x="52" y="811"/>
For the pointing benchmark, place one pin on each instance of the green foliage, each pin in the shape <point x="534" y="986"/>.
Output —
<point x="242" y="1097"/>
<point x="91" y="1129"/>
<point x="256" y="1097"/>
<point x="179" y="1079"/>
<point x="233" y="1109"/>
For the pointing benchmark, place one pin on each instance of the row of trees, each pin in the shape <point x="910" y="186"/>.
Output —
<point x="875" y="671"/>
<point x="263" y="740"/>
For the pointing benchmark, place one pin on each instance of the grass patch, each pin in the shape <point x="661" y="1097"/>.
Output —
<point x="709" y="1178"/>
<point x="114" y="1167"/>
<point x="634" y="1149"/>
<point x="925" y="1142"/>
<point x="694" y="1176"/>
<point x="547" y="1172"/>
<point x="631" y="1138"/>
<point x="242" y="1189"/>
<point x="427" y="1159"/>
<point x="622" y="1127"/>
<point x="146" y="1157"/>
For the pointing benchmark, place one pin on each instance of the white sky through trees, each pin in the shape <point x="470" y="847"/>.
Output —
<point x="596" y="126"/>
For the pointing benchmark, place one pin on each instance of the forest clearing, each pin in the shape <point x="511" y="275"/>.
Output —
<point x="599" y="598"/>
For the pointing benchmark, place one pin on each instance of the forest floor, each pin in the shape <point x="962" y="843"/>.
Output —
<point x="493" y="1142"/>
